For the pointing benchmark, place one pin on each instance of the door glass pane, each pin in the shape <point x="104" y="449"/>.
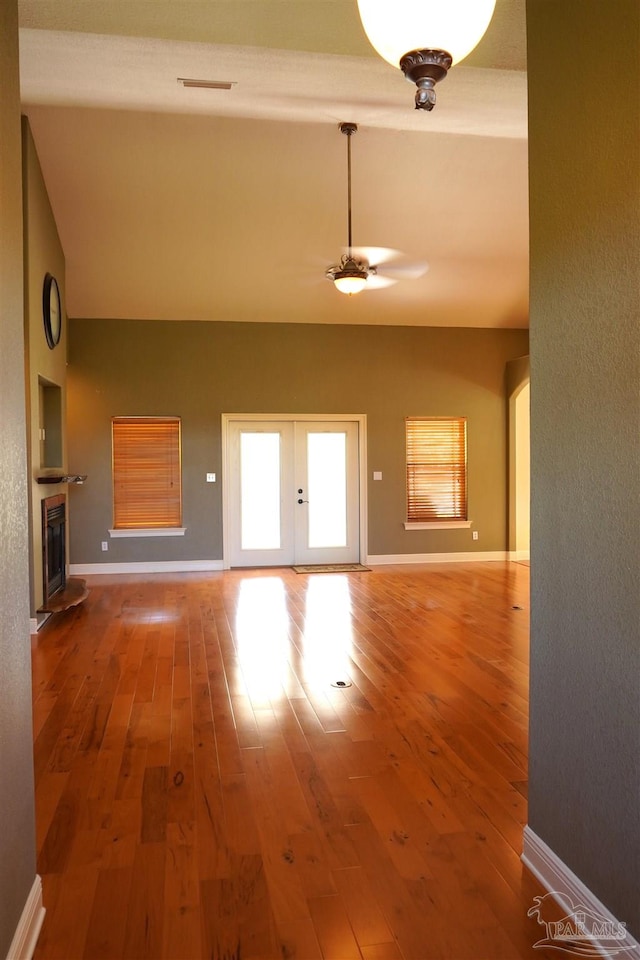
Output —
<point x="327" y="485"/>
<point x="260" y="491"/>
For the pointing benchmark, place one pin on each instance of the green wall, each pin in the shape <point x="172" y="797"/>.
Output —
<point x="584" y="163"/>
<point x="200" y="370"/>
<point x="17" y="833"/>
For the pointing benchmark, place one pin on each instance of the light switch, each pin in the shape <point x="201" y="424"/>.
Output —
<point x="377" y="474"/>
<point x="211" y="478"/>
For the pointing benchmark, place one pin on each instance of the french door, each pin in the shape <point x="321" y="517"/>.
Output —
<point x="293" y="492"/>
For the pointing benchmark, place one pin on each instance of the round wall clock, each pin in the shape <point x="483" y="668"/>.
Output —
<point x="51" y="310"/>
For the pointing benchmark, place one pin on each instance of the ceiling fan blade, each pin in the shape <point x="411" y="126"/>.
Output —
<point x="404" y="270"/>
<point x="374" y="254"/>
<point x="376" y="282"/>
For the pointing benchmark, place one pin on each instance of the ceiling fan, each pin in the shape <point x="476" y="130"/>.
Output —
<point x="356" y="272"/>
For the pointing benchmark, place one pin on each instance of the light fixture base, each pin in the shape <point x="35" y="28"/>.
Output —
<point x="425" y="68"/>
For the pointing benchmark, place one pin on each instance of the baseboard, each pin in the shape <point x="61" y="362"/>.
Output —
<point x="146" y="566"/>
<point x="607" y="934"/>
<point x="516" y="555"/>
<point x="28" y="929"/>
<point x="37" y="623"/>
<point x="186" y="566"/>
<point x="385" y="558"/>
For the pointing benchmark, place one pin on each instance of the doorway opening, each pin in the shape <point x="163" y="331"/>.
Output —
<point x="519" y="473"/>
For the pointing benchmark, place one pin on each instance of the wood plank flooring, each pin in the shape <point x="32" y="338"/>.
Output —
<point x="203" y="790"/>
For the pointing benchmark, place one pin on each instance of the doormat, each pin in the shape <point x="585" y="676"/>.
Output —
<point x="331" y="568"/>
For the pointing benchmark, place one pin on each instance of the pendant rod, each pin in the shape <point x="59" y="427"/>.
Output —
<point x="348" y="129"/>
<point x="349" y="186"/>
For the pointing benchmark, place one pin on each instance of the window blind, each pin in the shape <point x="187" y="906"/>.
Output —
<point x="436" y="469"/>
<point x="146" y="472"/>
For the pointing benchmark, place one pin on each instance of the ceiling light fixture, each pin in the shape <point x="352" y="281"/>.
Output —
<point x="425" y="37"/>
<point x="351" y="274"/>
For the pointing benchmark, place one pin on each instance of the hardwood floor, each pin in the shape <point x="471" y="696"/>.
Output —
<point x="203" y="790"/>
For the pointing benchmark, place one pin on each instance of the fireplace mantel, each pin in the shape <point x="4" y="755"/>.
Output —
<point x="68" y="478"/>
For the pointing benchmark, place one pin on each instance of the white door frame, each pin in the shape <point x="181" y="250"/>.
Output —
<point x="359" y="418"/>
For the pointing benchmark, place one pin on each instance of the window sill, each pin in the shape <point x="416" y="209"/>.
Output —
<point x="150" y="532"/>
<point x="440" y="525"/>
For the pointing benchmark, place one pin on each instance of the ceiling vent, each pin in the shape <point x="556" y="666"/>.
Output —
<point x="207" y="84"/>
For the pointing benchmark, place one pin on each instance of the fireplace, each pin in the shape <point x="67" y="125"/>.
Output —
<point x="54" y="516"/>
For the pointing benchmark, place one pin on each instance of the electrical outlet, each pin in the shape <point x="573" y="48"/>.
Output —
<point x="211" y="478"/>
<point x="105" y="545"/>
<point x="474" y="535"/>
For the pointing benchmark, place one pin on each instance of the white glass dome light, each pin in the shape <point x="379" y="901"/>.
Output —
<point x="350" y="285"/>
<point x="350" y="275"/>
<point x="396" y="28"/>
<point x="425" y="37"/>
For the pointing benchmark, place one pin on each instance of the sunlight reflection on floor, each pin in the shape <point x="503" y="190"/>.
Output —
<point x="328" y="633"/>
<point x="266" y="651"/>
<point x="262" y="637"/>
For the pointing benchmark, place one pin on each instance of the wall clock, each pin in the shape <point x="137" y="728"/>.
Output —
<point x="51" y="310"/>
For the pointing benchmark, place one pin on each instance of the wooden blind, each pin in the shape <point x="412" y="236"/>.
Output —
<point x="436" y="469"/>
<point x="146" y="472"/>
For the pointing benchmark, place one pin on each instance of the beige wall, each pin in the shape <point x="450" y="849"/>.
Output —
<point x="200" y="370"/>
<point x="584" y="148"/>
<point x="43" y="254"/>
<point x="522" y="478"/>
<point x="17" y="831"/>
<point x="517" y="381"/>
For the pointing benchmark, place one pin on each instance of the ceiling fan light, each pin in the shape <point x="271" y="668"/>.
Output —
<point x="350" y="276"/>
<point x="425" y="37"/>
<point x="350" y="284"/>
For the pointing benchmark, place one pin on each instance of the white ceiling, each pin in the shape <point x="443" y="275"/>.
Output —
<point x="176" y="203"/>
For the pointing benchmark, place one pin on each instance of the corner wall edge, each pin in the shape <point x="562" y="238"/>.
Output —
<point x="557" y="878"/>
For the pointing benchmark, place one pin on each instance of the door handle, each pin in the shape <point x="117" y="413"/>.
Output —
<point x="303" y="501"/>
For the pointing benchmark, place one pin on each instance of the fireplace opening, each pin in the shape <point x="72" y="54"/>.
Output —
<point x="54" y="518"/>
